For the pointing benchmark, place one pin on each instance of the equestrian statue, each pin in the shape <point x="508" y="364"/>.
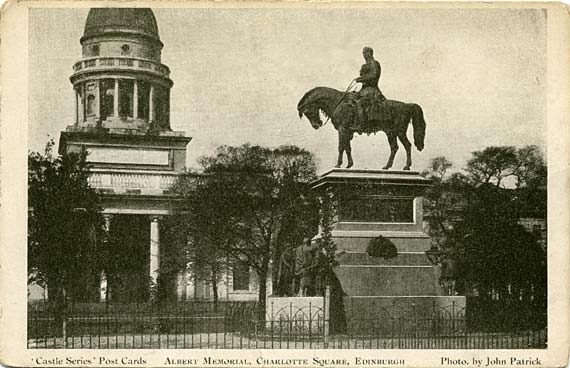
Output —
<point x="366" y="111"/>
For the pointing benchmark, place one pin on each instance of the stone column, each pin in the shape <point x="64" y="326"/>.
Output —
<point x="97" y="105"/>
<point x="76" y="89"/>
<point x="167" y="111"/>
<point x="181" y="285"/>
<point x="82" y="102"/>
<point x="104" y="287"/>
<point x="154" y="264"/>
<point x="135" y="99"/>
<point x="116" y="99"/>
<point x="151" y="104"/>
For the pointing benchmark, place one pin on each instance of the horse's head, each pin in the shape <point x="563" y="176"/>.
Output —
<point x="317" y="102"/>
<point x="312" y="113"/>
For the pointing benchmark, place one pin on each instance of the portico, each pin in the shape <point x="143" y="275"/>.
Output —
<point x="140" y="234"/>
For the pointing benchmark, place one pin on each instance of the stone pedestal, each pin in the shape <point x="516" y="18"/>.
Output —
<point x="370" y="203"/>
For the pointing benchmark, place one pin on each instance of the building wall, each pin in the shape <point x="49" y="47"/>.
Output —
<point x="36" y="293"/>
<point x="190" y="288"/>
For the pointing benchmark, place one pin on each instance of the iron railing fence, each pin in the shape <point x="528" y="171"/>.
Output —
<point x="240" y="325"/>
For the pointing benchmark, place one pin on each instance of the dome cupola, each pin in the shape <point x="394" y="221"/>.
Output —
<point x="138" y="21"/>
<point x="120" y="81"/>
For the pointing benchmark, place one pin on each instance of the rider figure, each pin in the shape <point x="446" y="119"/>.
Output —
<point x="369" y="76"/>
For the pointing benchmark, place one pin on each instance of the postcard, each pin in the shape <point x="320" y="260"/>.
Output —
<point x="284" y="184"/>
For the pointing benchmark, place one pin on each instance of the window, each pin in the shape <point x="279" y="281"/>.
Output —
<point x="106" y="97"/>
<point x="95" y="50"/>
<point x="241" y="277"/>
<point x="90" y="109"/>
<point x="143" y="103"/>
<point x="125" y="48"/>
<point x="537" y="230"/>
<point x="126" y="98"/>
<point x="88" y="95"/>
<point x="152" y="52"/>
<point x="162" y="107"/>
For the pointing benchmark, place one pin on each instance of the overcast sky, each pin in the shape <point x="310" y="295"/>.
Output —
<point x="479" y="75"/>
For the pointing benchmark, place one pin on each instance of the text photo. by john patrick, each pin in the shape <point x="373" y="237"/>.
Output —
<point x="287" y="178"/>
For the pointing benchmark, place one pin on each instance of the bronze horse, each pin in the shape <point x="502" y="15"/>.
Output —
<point x="340" y="108"/>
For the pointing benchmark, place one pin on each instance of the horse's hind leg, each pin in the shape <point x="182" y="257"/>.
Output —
<point x="348" y="149"/>
<point x="408" y="146"/>
<point x="393" y="149"/>
<point x="339" y="160"/>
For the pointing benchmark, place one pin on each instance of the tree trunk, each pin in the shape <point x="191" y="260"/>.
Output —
<point x="262" y="293"/>
<point x="56" y="298"/>
<point x="263" y="278"/>
<point x="276" y="274"/>
<point x="215" y="287"/>
<point x="64" y="315"/>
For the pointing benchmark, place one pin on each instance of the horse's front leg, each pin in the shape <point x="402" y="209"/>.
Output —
<point x="408" y="146"/>
<point x="340" y="150"/>
<point x="392" y="141"/>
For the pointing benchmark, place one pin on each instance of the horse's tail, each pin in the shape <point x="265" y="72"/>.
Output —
<point x="419" y="125"/>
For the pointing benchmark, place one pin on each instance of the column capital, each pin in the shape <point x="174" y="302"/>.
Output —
<point x="156" y="218"/>
<point x="107" y="218"/>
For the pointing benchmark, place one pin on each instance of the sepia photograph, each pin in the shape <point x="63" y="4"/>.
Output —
<point x="319" y="184"/>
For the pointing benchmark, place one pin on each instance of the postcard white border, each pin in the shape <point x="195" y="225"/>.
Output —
<point x="14" y="133"/>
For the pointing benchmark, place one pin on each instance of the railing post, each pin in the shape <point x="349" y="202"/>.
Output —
<point x="310" y="326"/>
<point x="414" y="326"/>
<point x="326" y="313"/>
<point x="453" y="317"/>
<point x="272" y="318"/>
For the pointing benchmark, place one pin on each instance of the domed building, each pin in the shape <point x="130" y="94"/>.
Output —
<point x="122" y="105"/>
<point x="122" y="118"/>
